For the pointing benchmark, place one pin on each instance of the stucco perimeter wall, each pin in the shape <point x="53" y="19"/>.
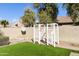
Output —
<point x="15" y="33"/>
<point x="69" y="33"/>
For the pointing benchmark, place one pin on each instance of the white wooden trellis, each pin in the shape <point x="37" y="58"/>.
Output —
<point x="50" y="30"/>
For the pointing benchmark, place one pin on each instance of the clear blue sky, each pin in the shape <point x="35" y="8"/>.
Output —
<point x="13" y="11"/>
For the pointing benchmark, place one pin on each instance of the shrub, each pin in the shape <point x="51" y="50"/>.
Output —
<point x="3" y="37"/>
<point x="4" y="40"/>
<point x="1" y="33"/>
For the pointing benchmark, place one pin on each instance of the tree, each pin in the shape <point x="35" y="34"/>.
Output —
<point x="36" y="5"/>
<point x="47" y="12"/>
<point x="72" y="11"/>
<point x="4" y="23"/>
<point x="29" y="18"/>
<point x="44" y="18"/>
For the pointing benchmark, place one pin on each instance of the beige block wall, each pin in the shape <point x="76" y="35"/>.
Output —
<point x="15" y="32"/>
<point x="68" y="33"/>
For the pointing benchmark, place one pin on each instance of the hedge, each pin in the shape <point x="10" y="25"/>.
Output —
<point x="4" y="40"/>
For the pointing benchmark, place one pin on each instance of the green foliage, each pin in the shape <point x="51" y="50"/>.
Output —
<point x="4" y="23"/>
<point x="52" y="10"/>
<point x="44" y="18"/>
<point x="30" y="49"/>
<point x="73" y="11"/>
<point x="4" y="38"/>
<point x="47" y="12"/>
<point x="1" y="33"/>
<point x="36" y="5"/>
<point x="29" y="18"/>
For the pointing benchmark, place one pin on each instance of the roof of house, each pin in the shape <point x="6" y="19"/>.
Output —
<point x="64" y="19"/>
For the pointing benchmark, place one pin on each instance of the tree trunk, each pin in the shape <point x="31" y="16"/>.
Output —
<point x="74" y="22"/>
<point x="4" y="26"/>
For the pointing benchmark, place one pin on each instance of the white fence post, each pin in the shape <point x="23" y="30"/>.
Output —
<point x="57" y="34"/>
<point x="47" y="34"/>
<point x="39" y="34"/>
<point x="54" y="34"/>
<point x="34" y="33"/>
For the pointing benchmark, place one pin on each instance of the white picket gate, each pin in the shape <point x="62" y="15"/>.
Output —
<point x="50" y="32"/>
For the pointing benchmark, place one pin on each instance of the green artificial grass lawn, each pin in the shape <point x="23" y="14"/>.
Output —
<point x="30" y="49"/>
